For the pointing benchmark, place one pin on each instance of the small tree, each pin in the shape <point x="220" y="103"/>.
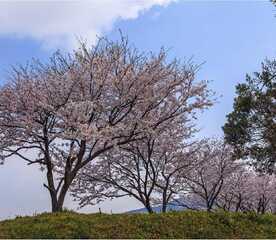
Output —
<point x="175" y="160"/>
<point x="74" y="109"/>
<point x="150" y="170"/>
<point x="264" y="194"/>
<point x="245" y="190"/>
<point x="236" y="192"/>
<point x="207" y="179"/>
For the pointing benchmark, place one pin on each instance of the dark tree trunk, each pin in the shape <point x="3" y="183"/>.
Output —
<point x="57" y="203"/>
<point x="164" y="201"/>
<point x="58" y="193"/>
<point x="57" y="208"/>
<point x="54" y="201"/>
<point x="51" y="188"/>
<point x="149" y="209"/>
<point x="58" y="197"/>
<point x="209" y="206"/>
<point x="57" y="200"/>
<point x="148" y="206"/>
<point x="238" y="205"/>
<point x="164" y="207"/>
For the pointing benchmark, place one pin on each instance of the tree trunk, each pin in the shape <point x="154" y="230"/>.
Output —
<point x="57" y="197"/>
<point x="58" y="193"/>
<point x="164" y="207"/>
<point x="62" y="196"/>
<point x="57" y="204"/>
<point x="238" y="205"/>
<point x="54" y="201"/>
<point x="148" y="206"/>
<point x="58" y="200"/>
<point x="208" y="206"/>
<point x="51" y="188"/>
<point x="164" y="203"/>
<point x="164" y="200"/>
<point x="57" y="208"/>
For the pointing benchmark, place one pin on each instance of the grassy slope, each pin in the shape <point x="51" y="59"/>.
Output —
<point x="170" y="225"/>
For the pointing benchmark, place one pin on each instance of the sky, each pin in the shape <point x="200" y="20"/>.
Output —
<point x="231" y="38"/>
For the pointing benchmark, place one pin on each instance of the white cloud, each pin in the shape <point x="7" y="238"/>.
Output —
<point x="58" y="23"/>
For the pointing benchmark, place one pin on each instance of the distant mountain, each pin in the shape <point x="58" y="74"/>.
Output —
<point x="159" y="209"/>
<point x="170" y="207"/>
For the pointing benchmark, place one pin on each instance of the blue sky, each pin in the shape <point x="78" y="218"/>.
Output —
<point x="232" y="37"/>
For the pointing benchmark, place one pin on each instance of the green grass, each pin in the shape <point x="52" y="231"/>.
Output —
<point x="188" y="224"/>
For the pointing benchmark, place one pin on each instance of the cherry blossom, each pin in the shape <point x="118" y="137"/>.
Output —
<point x="75" y="108"/>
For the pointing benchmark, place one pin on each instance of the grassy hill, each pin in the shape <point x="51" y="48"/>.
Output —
<point x="186" y="224"/>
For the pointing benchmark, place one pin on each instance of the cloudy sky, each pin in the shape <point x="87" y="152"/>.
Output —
<point x="231" y="37"/>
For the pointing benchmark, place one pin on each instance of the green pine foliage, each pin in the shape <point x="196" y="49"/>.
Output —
<point x="251" y="126"/>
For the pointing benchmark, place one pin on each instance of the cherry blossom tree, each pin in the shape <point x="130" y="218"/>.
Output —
<point x="236" y="192"/>
<point x="176" y="160"/>
<point x="124" y="171"/>
<point x="149" y="170"/>
<point x="245" y="190"/>
<point x="75" y="108"/>
<point x="263" y="194"/>
<point x="259" y="194"/>
<point x="206" y="181"/>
